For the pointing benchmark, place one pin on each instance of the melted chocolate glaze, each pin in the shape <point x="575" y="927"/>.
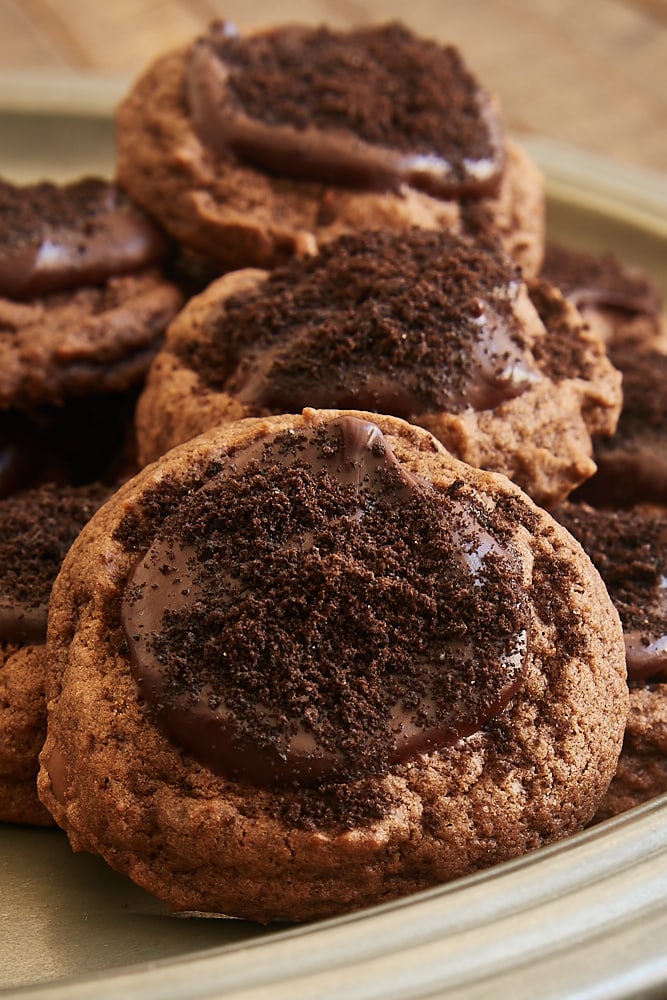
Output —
<point x="317" y="613"/>
<point x="629" y="548"/>
<point x="372" y="109"/>
<point x="406" y="325"/>
<point x="60" y="237"/>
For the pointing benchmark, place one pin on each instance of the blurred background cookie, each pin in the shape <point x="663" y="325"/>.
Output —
<point x="83" y="305"/>
<point x="629" y="548"/>
<point x="36" y="530"/>
<point x="249" y="148"/>
<point x="632" y="463"/>
<point x="621" y="303"/>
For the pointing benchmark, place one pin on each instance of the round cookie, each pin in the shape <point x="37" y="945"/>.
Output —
<point x="632" y="463"/>
<point x="621" y="303"/>
<point x="427" y="326"/>
<point x="629" y="548"/>
<point x="252" y="148"/>
<point x="304" y="664"/>
<point x="36" y="530"/>
<point x="83" y="306"/>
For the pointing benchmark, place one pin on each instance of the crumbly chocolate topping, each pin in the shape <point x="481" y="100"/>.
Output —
<point x="340" y="805"/>
<point x="37" y="529"/>
<point x="552" y="580"/>
<point x="385" y="85"/>
<point x="137" y="526"/>
<point x="57" y="237"/>
<point x="417" y="323"/>
<point x="600" y="280"/>
<point x="28" y="211"/>
<point x="315" y="604"/>
<point x="644" y="410"/>
<point x="629" y="550"/>
<point x="562" y="354"/>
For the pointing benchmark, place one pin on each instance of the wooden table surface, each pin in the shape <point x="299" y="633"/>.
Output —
<point x="592" y="73"/>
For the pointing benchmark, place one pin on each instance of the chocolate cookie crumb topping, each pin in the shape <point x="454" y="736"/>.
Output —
<point x="600" y="280"/>
<point x="315" y="613"/>
<point x="57" y="237"/>
<point x="371" y="108"/>
<point x="551" y="589"/>
<point x="562" y="354"/>
<point x="37" y="529"/>
<point x="629" y="549"/>
<point x="402" y="325"/>
<point x="644" y="402"/>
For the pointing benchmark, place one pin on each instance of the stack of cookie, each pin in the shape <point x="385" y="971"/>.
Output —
<point x="83" y="308"/>
<point x="620" y="514"/>
<point x="327" y="645"/>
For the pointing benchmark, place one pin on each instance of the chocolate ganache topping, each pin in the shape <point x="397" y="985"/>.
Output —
<point x="54" y="238"/>
<point x="629" y="549"/>
<point x="37" y="528"/>
<point x="317" y="613"/>
<point x="373" y="108"/>
<point x="407" y="325"/>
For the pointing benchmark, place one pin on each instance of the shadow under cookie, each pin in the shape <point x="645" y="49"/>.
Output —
<point x="36" y="529"/>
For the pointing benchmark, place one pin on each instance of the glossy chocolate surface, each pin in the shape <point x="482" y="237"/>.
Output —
<point x="318" y="105"/>
<point x="407" y="324"/>
<point x="444" y="687"/>
<point x="59" y="238"/>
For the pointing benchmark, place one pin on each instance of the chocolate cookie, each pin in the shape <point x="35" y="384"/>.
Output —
<point x="427" y="326"/>
<point x="306" y="664"/>
<point x="621" y="303"/>
<point x="82" y="305"/>
<point x="252" y="148"/>
<point x="632" y="463"/>
<point x="629" y="548"/>
<point x="36" y="530"/>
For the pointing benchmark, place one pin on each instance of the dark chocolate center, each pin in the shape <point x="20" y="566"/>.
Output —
<point x="318" y="613"/>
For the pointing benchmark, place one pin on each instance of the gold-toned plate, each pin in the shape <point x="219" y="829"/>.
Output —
<point x="586" y="917"/>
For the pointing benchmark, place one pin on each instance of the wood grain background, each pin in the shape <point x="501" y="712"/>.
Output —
<point x="588" y="72"/>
